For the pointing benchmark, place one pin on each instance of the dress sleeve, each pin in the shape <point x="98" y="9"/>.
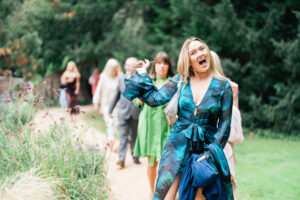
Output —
<point x="98" y="92"/>
<point x="221" y="136"/>
<point x="223" y="130"/>
<point x="141" y="86"/>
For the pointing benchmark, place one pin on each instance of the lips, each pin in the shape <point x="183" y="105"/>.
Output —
<point x="202" y="61"/>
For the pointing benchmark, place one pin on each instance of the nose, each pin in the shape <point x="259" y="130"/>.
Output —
<point x="200" y="53"/>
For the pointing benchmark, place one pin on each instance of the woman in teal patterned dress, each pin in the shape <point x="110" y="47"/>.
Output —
<point x="204" y="116"/>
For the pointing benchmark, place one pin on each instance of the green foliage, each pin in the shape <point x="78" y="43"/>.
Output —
<point x="257" y="41"/>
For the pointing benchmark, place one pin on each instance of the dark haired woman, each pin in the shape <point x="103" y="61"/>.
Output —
<point x="153" y="128"/>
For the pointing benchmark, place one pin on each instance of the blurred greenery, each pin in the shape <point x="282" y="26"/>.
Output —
<point x="258" y="42"/>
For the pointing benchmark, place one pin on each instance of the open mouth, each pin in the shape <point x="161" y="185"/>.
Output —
<point x="202" y="61"/>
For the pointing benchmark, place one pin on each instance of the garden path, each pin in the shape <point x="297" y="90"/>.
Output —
<point x="129" y="183"/>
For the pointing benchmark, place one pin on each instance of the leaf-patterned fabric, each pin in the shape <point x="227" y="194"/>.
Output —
<point x="206" y="131"/>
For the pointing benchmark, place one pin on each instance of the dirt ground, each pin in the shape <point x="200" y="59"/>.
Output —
<point x="129" y="183"/>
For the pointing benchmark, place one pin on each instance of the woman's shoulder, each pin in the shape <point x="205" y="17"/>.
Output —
<point x="176" y="77"/>
<point x="221" y="83"/>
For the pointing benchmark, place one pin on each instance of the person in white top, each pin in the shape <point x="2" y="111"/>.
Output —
<point x="104" y="94"/>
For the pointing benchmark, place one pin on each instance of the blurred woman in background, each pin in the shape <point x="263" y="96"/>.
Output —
<point x="93" y="80"/>
<point x="71" y="77"/>
<point x="104" y="94"/>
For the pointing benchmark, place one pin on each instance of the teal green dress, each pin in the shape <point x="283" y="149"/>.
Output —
<point x="205" y="131"/>
<point x="153" y="130"/>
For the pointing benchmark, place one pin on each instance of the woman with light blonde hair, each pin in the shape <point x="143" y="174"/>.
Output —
<point x="199" y="135"/>
<point x="104" y="94"/>
<point x="71" y="77"/>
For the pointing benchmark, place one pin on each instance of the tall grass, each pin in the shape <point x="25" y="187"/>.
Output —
<point x="76" y="173"/>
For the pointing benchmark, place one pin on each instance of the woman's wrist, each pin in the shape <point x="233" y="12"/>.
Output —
<point x="141" y="70"/>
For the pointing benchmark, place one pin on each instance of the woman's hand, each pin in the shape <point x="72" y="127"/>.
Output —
<point x="142" y="66"/>
<point x="76" y="92"/>
<point x="201" y="158"/>
<point x="141" y="102"/>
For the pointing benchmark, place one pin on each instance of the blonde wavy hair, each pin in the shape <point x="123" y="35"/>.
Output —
<point x="184" y="66"/>
<point x="110" y="65"/>
<point x="217" y="63"/>
<point x="72" y="67"/>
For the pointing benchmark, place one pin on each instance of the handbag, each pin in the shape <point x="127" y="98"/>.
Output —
<point x="171" y="109"/>
<point x="204" y="174"/>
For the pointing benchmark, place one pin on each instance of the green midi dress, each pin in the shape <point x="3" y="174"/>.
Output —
<point x="153" y="129"/>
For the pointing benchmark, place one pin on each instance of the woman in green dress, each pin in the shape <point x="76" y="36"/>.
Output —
<point x="153" y="128"/>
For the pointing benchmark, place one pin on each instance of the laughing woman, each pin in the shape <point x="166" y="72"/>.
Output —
<point x="203" y="125"/>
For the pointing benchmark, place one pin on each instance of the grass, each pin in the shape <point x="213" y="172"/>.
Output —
<point x="51" y="160"/>
<point x="94" y="119"/>
<point x="268" y="169"/>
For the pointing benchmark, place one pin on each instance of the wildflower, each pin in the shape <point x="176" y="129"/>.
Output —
<point x="79" y="147"/>
<point x="7" y="132"/>
<point x="97" y="191"/>
<point x="8" y="100"/>
<point x="83" y="111"/>
<point x="32" y="160"/>
<point x="1" y="151"/>
<point x="44" y="82"/>
<point x="66" y="160"/>
<point x="25" y="100"/>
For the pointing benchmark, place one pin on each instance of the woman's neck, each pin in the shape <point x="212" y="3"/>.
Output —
<point x="160" y="78"/>
<point x="202" y="75"/>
